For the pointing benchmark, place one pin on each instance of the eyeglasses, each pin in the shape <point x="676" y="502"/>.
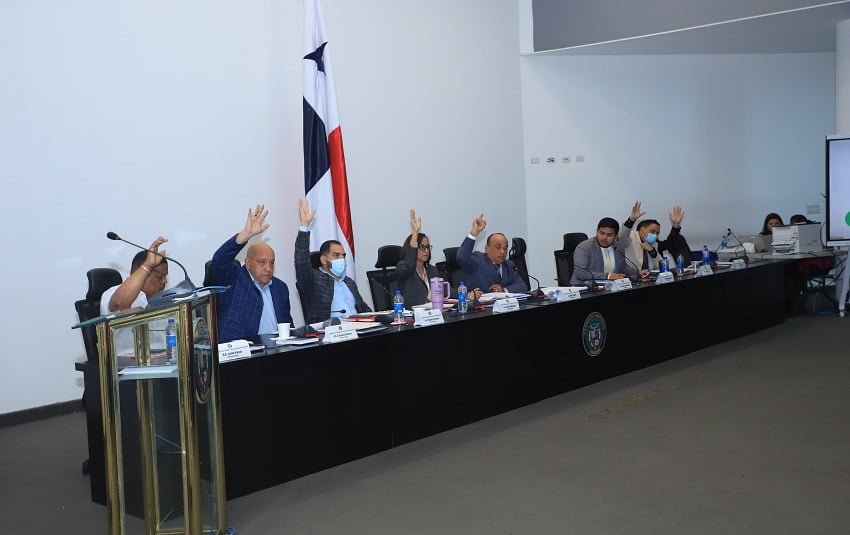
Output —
<point x="423" y="247"/>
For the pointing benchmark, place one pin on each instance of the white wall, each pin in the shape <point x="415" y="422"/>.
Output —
<point x="167" y="118"/>
<point x="730" y="138"/>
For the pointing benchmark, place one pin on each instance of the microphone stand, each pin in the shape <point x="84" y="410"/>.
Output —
<point x="741" y="245"/>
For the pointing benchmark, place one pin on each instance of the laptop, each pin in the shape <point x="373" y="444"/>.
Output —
<point x="761" y="243"/>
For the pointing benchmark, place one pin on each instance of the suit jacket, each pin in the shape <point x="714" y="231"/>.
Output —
<point x="413" y="289"/>
<point x="240" y="307"/>
<point x="482" y="273"/>
<point x="317" y="284"/>
<point x="588" y="255"/>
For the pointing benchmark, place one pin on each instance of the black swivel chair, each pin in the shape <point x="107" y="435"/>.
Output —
<point x="315" y="262"/>
<point x="564" y="257"/>
<point x="209" y="276"/>
<point x="517" y="256"/>
<point x="100" y="280"/>
<point x="572" y="239"/>
<point x="382" y="281"/>
<point x="449" y="269"/>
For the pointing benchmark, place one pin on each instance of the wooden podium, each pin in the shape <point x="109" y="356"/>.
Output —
<point x="175" y="407"/>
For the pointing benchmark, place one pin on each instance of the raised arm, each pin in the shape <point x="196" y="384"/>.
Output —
<point x="129" y="290"/>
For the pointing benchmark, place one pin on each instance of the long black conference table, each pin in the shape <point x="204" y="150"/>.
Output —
<point x="288" y="412"/>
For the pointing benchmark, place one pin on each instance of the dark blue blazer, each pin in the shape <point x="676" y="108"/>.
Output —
<point x="240" y="307"/>
<point x="482" y="273"/>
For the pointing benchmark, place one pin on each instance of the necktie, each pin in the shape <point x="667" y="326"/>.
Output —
<point x="607" y="261"/>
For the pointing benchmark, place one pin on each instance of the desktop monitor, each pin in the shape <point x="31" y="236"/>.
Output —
<point x="838" y="190"/>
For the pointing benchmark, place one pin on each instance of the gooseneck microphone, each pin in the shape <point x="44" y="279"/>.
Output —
<point x="536" y="294"/>
<point x="637" y="269"/>
<point x="591" y="280"/>
<point x="182" y="289"/>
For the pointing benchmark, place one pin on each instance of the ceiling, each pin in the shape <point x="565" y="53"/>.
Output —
<point x="804" y="30"/>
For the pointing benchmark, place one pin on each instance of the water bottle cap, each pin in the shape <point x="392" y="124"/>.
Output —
<point x="462" y="283"/>
<point x="398" y="292"/>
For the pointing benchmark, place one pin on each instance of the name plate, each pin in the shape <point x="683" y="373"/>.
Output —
<point x="424" y="317"/>
<point x="233" y="349"/>
<point x="664" y="277"/>
<point x="569" y="295"/>
<point x="704" y="270"/>
<point x="343" y="332"/>
<point x="509" y="304"/>
<point x="738" y="263"/>
<point x="621" y="284"/>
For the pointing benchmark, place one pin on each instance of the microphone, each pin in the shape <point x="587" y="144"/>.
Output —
<point x="637" y="269"/>
<point x="741" y="245"/>
<point x="536" y="294"/>
<point x="180" y="290"/>
<point x="590" y="281"/>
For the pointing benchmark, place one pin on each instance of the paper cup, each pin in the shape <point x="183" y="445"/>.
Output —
<point x="283" y="330"/>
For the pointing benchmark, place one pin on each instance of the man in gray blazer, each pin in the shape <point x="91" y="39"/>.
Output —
<point x="599" y="257"/>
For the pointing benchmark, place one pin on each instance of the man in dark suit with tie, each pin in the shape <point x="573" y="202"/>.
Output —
<point x="489" y="271"/>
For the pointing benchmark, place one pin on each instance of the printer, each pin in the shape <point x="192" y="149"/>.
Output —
<point x="794" y="239"/>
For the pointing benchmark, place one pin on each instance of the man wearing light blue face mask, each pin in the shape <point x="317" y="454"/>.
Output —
<point x="330" y="293"/>
<point x="643" y="245"/>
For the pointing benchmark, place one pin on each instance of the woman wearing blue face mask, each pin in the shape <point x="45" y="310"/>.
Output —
<point x="642" y="243"/>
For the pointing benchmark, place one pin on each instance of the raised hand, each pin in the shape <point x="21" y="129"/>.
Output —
<point x="152" y="258"/>
<point x="306" y="216"/>
<point x="254" y="224"/>
<point x="636" y="213"/>
<point x="415" y="222"/>
<point x="478" y="224"/>
<point x="676" y="216"/>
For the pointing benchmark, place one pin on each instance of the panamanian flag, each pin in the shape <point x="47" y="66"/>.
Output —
<point x="325" y="182"/>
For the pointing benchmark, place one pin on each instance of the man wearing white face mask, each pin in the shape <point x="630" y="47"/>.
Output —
<point x="330" y="292"/>
<point x="642" y="244"/>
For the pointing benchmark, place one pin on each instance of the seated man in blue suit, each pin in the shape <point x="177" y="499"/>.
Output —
<point x="489" y="271"/>
<point x="257" y="300"/>
<point x="598" y="257"/>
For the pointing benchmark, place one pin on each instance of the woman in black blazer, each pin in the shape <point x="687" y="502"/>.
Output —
<point x="414" y="271"/>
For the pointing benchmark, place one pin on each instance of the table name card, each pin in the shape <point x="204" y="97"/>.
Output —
<point x="233" y="350"/>
<point x="569" y="295"/>
<point x="664" y="277"/>
<point x="343" y="332"/>
<point x="704" y="269"/>
<point x="505" y="305"/>
<point x="621" y="284"/>
<point x="425" y="317"/>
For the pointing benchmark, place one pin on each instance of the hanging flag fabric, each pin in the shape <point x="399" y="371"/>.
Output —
<point x="325" y="181"/>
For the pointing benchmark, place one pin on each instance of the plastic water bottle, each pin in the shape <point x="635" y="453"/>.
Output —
<point x="398" y="308"/>
<point x="665" y="264"/>
<point x="723" y="241"/>
<point x="462" y="305"/>
<point x="680" y="263"/>
<point x="171" y="341"/>
<point x="706" y="255"/>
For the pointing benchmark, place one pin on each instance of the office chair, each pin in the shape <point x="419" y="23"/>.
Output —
<point x="315" y="263"/>
<point x="100" y="280"/>
<point x="517" y="256"/>
<point x="572" y="239"/>
<point x="563" y="267"/>
<point x="209" y="276"/>
<point x="382" y="281"/>
<point x="449" y="269"/>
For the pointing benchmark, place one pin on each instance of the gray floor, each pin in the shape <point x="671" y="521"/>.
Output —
<point x="746" y="437"/>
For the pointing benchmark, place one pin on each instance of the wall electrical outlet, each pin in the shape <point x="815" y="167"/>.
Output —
<point x="812" y="209"/>
<point x="580" y="158"/>
<point x="535" y="160"/>
<point x="566" y="159"/>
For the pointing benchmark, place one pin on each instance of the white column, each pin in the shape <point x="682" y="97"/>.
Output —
<point x="842" y="77"/>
